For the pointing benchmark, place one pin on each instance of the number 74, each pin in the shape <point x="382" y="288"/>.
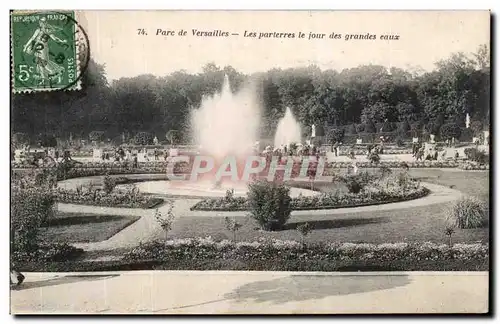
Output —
<point x="24" y="72"/>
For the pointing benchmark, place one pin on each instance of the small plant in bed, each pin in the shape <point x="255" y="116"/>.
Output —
<point x="467" y="212"/>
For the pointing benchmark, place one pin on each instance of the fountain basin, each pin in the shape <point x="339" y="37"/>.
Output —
<point x="203" y="189"/>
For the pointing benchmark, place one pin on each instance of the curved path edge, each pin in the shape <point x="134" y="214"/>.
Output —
<point x="146" y="227"/>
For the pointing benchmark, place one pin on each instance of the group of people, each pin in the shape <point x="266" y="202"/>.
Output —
<point x="432" y="153"/>
<point x="290" y="150"/>
<point x="121" y="155"/>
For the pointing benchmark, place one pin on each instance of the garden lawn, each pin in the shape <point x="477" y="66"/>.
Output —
<point x="82" y="228"/>
<point x="417" y="224"/>
<point x="473" y="183"/>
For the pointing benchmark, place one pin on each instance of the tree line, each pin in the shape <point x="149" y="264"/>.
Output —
<point x="364" y="99"/>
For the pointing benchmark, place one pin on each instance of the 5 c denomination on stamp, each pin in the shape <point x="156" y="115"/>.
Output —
<point x="45" y="51"/>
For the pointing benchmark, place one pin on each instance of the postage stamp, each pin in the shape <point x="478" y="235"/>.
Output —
<point x="44" y="51"/>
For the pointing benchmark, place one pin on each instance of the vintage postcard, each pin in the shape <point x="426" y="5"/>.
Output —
<point x="250" y="162"/>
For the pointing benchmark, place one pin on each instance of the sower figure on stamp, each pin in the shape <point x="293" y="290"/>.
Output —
<point x="38" y="45"/>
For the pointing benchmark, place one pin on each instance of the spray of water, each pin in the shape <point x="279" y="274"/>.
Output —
<point x="288" y="130"/>
<point x="226" y="123"/>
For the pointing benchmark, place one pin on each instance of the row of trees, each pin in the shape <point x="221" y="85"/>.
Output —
<point x="368" y="95"/>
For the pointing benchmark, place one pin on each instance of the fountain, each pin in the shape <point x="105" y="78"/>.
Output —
<point x="288" y="130"/>
<point x="226" y="125"/>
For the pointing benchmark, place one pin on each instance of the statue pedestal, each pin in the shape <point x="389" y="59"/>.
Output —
<point x="97" y="154"/>
<point x="486" y="138"/>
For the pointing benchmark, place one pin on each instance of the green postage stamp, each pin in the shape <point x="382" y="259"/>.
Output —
<point x="44" y="51"/>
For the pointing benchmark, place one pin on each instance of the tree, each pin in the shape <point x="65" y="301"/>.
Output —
<point x="233" y="226"/>
<point x="96" y="136"/>
<point x="336" y="135"/>
<point x="403" y="127"/>
<point x="47" y="140"/>
<point x="476" y="127"/>
<point x="165" y="221"/>
<point x="370" y="127"/>
<point x="351" y="129"/>
<point x="449" y="131"/>
<point x="406" y="111"/>
<point x="172" y="136"/>
<point x="365" y="94"/>
<point x="143" y="138"/>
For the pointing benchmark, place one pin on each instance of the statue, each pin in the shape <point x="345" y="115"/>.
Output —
<point x="155" y="141"/>
<point x="467" y="121"/>
<point x="313" y="131"/>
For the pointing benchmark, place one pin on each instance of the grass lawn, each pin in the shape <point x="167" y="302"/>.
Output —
<point x="471" y="183"/>
<point x="80" y="228"/>
<point x="426" y="223"/>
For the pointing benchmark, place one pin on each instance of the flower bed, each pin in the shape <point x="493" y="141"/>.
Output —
<point x="97" y="197"/>
<point x="329" y="200"/>
<point x="470" y="165"/>
<point x="346" y="151"/>
<point x="392" y="164"/>
<point x="276" y="255"/>
<point x="270" y="252"/>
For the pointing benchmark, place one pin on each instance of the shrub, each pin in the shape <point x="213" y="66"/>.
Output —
<point x="31" y="207"/>
<point x="374" y="158"/>
<point x="476" y="155"/>
<point x="400" y="142"/>
<point x="384" y="171"/>
<point x="467" y="212"/>
<point x="269" y="204"/>
<point x="108" y="184"/>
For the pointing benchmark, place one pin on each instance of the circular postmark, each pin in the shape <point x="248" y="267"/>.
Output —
<point x="50" y="51"/>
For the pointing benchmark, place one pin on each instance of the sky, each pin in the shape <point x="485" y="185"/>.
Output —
<point x="424" y="38"/>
